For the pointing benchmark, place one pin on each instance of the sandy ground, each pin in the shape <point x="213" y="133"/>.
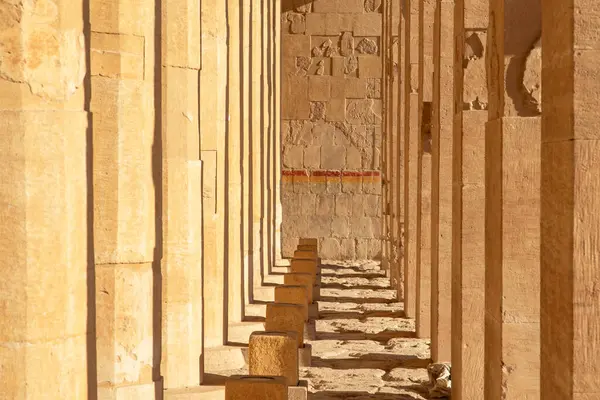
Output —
<point x="364" y="348"/>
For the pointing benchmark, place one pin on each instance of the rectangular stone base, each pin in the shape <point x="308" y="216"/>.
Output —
<point x="299" y="392"/>
<point x="317" y="292"/>
<point x="310" y="330"/>
<point x="313" y="311"/>
<point x="305" y="356"/>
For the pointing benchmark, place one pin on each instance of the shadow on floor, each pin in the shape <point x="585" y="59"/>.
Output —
<point x="350" y="286"/>
<point x="357" y="300"/>
<point x="381" y="337"/>
<point x="383" y="361"/>
<point x="359" y="315"/>
<point x="334" y="395"/>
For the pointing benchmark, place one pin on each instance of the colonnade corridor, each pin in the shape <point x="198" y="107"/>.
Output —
<point x="299" y="199"/>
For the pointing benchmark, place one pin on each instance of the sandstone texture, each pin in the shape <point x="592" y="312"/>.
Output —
<point x="331" y="126"/>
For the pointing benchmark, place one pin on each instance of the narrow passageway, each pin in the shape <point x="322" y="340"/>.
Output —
<point x="364" y="347"/>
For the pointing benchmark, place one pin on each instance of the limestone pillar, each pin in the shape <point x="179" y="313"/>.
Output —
<point x="127" y="185"/>
<point x="411" y="150"/>
<point x="468" y="201"/>
<point x="278" y="217"/>
<point x="181" y="196"/>
<point x="423" y="232"/>
<point x="237" y="219"/>
<point x="44" y="192"/>
<point x="386" y="161"/>
<point x="402" y="147"/>
<point x="441" y="182"/>
<point x="512" y="176"/>
<point x="570" y="348"/>
<point x="265" y="151"/>
<point x="257" y="133"/>
<point x="213" y="128"/>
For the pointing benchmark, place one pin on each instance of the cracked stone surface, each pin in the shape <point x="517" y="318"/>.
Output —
<point x="364" y="348"/>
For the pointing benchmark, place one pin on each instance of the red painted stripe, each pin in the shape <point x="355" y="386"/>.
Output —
<point x="330" y="173"/>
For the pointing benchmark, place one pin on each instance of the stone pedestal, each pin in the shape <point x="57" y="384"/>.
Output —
<point x="299" y="392"/>
<point x="256" y="388"/>
<point x="304" y="266"/>
<point x="301" y="279"/>
<point x="293" y="295"/>
<point x="286" y="317"/>
<point x="274" y="354"/>
<point x="305" y="355"/>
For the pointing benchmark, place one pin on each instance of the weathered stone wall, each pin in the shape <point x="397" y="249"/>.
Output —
<point x="331" y="126"/>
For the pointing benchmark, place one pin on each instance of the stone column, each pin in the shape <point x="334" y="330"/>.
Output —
<point x="411" y="151"/>
<point x="127" y="159"/>
<point x="512" y="229"/>
<point x="237" y="218"/>
<point x="181" y="196"/>
<point x="423" y="295"/>
<point x="386" y="168"/>
<point x="44" y="192"/>
<point x="570" y="348"/>
<point x="402" y="147"/>
<point x="441" y="182"/>
<point x="468" y="201"/>
<point x="278" y="217"/>
<point x="257" y="133"/>
<point x="213" y="128"/>
<point x="397" y="190"/>
<point x="265" y="151"/>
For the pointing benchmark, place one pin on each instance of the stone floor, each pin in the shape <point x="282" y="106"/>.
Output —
<point x="364" y="347"/>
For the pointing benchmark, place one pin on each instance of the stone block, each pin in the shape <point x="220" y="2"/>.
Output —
<point x="127" y="17"/>
<point x="355" y="88"/>
<point x="340" y="227"/>
<point x="293" y="157"/>
<point x="370" y="67"/>
<point x="283" y="317"/>
<point x="312" y="157"/>
<point x="338" y="66"/>
<point x="256" y="388"/>
<point x="117" y="56"/>
<point x="305" y="266"/>
<point x="308" y="241"/>
<point x="295" y="97"/>
<point x="308" y="247"/>
<point x="181" y="41"/>
<point x="274" y="354"/>
<point x="297" y="23"/>
<point x="289" y="294"/>
<point x="325" y="205"/>
<point x="299" y="392"/>
<point x="333" y="157"/>
<point x="123" y="293"/>
<point x="305" y="355"/>
<point x="330" y="249"/>
<point x="343" y="204"/>
<point x="368" y="24"/>
<point x="347" y="249"/>
<point x="295" y="46"/>
<point x="123" y="179"/>
<point x="308" y="203"/>
<point x="362" y="112"/>
<point x="354" y="160"/>
<point x="337" y="22"/>
<point x="336" y="110"/>
<point x="316" y="24"/>
<point x="301" y="279"/>
<point x="362" y="226"/>
<point x="319" y="88"/>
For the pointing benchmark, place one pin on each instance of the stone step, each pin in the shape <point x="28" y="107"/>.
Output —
<point x="225" y="358"/>
<point x="240" y="332"/>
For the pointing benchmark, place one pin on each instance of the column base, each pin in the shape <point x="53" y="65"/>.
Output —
<point x="313" y="311"/>
<point x="305" y="355"/>
<point x="299" y="392"/>
<point x="310" y="330"/>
